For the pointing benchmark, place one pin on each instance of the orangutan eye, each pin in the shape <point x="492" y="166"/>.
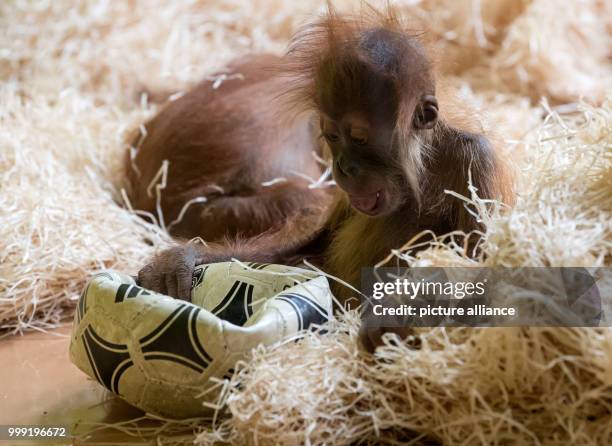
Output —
<point x="331" y="137"/>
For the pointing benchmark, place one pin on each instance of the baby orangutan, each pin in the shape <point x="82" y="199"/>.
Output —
<point x="370" y="88"/>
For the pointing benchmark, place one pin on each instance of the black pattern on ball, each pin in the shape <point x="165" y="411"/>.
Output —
<point x="176" y="340"/>
<point x="237" y="305"/>
<point x="108" y="360"/>
<point x="307" y="311"/>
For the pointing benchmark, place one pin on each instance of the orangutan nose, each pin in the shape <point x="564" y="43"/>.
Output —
<point x="346" y="166"/>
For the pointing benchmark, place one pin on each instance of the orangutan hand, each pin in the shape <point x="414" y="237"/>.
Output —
<point x="371" y="337"/>
<point x="171" y="271"/>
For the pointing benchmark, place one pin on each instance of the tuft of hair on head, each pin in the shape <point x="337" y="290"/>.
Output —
<point x="344" y="59"/>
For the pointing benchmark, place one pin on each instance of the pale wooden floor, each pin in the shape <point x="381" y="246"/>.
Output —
<point x="39" y="385"/>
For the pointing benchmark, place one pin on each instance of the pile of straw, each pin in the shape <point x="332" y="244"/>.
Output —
<point x="72" y="77"/>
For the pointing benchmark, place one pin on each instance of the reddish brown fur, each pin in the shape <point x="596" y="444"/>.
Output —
<point x="222" y="144"/>
<point x="350" y="72"/>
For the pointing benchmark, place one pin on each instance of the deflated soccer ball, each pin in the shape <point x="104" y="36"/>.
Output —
<point x="159" y="353"/>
